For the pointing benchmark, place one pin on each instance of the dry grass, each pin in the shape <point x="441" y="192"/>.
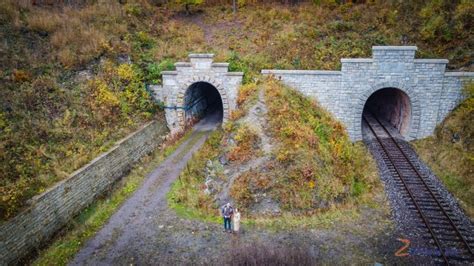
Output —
<point x="44" y="21"/>
<point x="246" y="144"/>
<point x="268" y="254"/>
<point x="316" y="163"/>
<point x="79" y="35"/>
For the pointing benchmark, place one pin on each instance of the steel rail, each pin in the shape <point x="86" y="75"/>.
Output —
<point x="425" y="221"/>
<point x="427" y="187"/>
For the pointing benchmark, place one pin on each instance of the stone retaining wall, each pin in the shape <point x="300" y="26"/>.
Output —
<point x="54" y="208"/>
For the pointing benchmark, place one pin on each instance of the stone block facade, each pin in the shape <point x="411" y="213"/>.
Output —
<point x="201" y="68"/>
<point x="54" y="208"/>
<point x="433" y="92"/>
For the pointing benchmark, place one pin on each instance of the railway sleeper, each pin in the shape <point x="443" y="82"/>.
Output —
<point x="446" y="222"/>
<point x="460" y="258"/>
<point x="438" y="216"/>
<point x="430" y="208"/>
<point x="425" y="203"/>
<point x="429" y="198"/>
<point x="441" y="238"/>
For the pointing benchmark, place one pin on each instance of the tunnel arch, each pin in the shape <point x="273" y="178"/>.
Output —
<point x="209" y="87"/>
<point x="411" y="128"/>
<point x="392" y="105"/>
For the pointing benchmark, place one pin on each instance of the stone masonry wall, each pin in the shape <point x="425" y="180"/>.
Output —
<point x="433" y="93"/>
<point x="450" y="97"/>
<point x="54" y="208"/>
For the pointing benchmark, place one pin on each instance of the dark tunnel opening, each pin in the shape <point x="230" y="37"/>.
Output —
<point x="391" y="105"/>
<point x="203" y="101"/>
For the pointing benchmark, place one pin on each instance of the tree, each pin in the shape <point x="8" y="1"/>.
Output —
<point x="188" y="3"/>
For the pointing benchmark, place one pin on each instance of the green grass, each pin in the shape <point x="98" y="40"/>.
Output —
<point x="91" y="220"/>
<point x="191" y="214"/>
<point x="327" y="219"/>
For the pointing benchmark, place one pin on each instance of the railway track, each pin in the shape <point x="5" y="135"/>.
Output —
<point x="451" y="240"/>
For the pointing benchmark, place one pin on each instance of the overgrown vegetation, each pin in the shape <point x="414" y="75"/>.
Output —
<point x="186" y="192"/>
<point x="62" y="100"/>
<point x="316" y="163"/>
<point x="450" y="153"/>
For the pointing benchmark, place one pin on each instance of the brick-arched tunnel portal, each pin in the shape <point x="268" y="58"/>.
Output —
<point x="392" y="105"/>
<point x="201" y="100"/>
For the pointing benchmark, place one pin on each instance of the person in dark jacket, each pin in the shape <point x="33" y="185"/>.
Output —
<point x="227" y="212"/>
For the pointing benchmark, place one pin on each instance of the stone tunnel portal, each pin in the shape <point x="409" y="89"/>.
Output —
<point x="203" y="100"/>
<point x="392" y="105"/>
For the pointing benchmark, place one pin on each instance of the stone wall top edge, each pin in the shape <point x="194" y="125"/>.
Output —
<point x="301" y="72"/>
<point x="169" y="72"/>
<point x="414" y="48"/>
<point x="234" y="73"/>
<point x="92" y="162"/>
<point x="182" y="64"/>
<point x="220" y="64"/>
<point x="201" y="55"/>
<point x="459" y="74"/>
<point x="431" y="61"/>
<point x="357" y="60"/>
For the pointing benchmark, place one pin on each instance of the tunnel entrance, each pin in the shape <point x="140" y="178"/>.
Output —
<point x="392" y="105"/>
<point x="203" y="101"/>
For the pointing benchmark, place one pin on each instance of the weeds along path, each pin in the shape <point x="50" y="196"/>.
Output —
<point x="133" y="225"/>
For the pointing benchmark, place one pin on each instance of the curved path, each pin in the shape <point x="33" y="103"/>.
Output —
<point x="133" y="225"/>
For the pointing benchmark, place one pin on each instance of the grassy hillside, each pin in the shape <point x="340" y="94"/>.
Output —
<point x="65" y="97"/>
<point x="450" y="153"/>
<point x="311" y="166"/>
<point x="67" y="91"/>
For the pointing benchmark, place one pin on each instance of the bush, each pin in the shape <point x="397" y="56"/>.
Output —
<point x="153" y="70"/>
<point x="246" y="140"/>
<point x="144" y="40"/>
<point x="188" y="3"/>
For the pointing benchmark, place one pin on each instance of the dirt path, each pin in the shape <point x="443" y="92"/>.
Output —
<point x="133" y="225"/>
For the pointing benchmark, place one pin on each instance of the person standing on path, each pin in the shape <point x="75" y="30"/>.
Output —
<point x="227" y="212"/>
<point x="236" y="220"/>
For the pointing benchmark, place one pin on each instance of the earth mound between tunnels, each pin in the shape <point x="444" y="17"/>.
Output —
<point x="280" y="153"/>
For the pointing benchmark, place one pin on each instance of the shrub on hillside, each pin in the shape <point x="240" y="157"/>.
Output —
<point x="246" y="144"/>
